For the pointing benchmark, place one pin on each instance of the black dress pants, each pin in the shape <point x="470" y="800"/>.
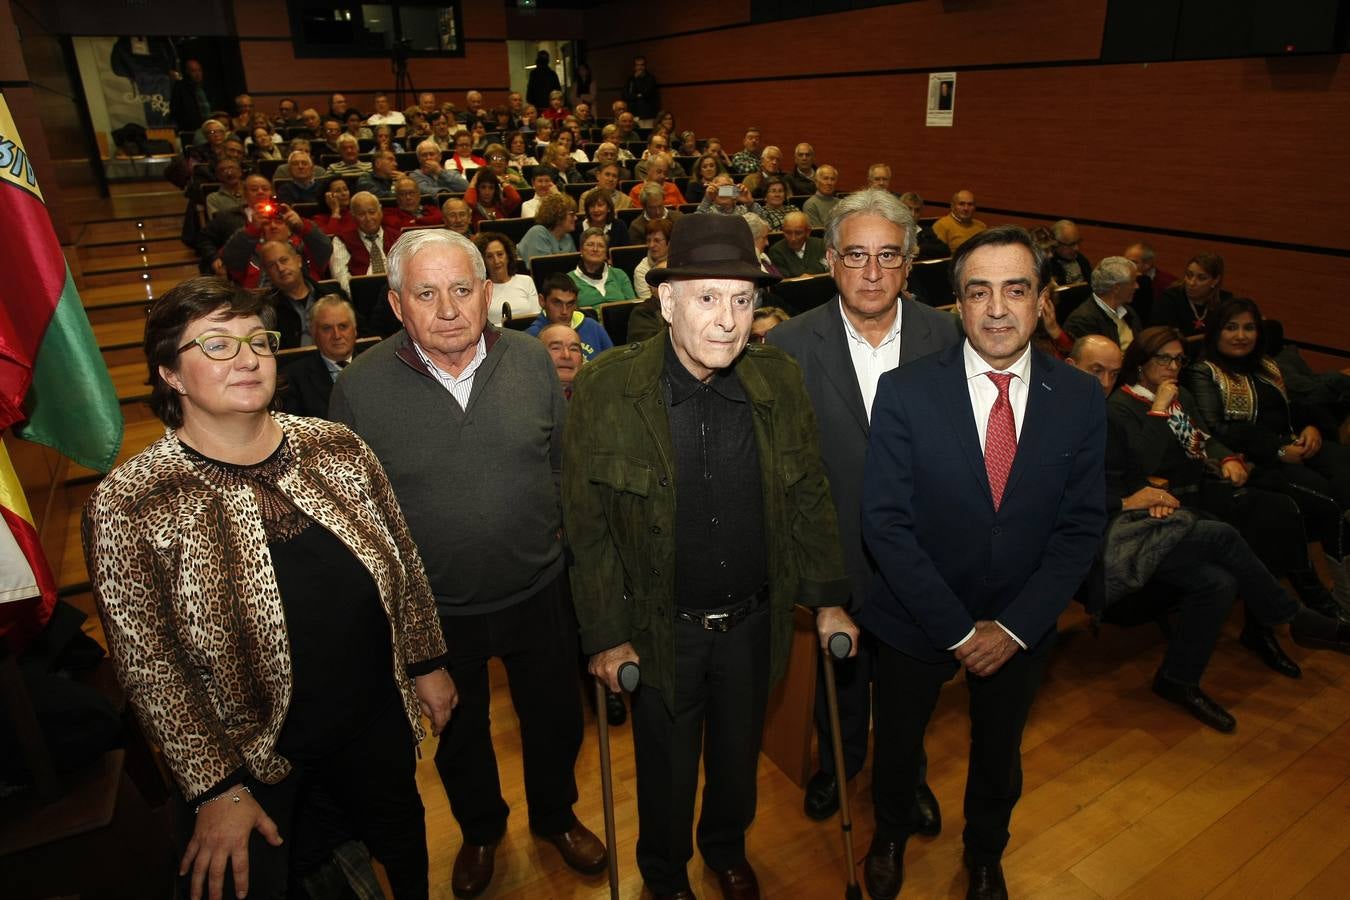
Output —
<point x="366" y="789"/>
<point x="907" y="692"/>
<point x="536" y="640"/>
<point x="721" y="689"/>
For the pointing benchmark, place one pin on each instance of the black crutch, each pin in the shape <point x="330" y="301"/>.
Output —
<point x="839" y="647"/>
<point x="629" y="676"/>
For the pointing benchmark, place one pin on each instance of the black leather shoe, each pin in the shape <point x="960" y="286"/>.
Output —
<point x="738" y="883"/>
<point x="1339" y="640"/>
<point x="1190" y="698"/>
<point x="884" y="869"/>
<point x="822" y="797"/>
<point x="473" y="869"/>
<point x="986" y="881"/>
<point x="1316" y="597"/>
<point x="616" y="712"/>
<point x="1262" y="641"/>
<point x="580" y="849"/>
<point x="928" y="819"/>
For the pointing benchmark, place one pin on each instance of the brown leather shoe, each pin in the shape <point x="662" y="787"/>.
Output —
<point x="580" y="849"/>
<point x="739" y="883"/>
<point x="473" y="869"/>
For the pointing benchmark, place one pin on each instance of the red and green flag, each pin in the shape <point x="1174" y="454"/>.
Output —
<point x="54" y="388"/>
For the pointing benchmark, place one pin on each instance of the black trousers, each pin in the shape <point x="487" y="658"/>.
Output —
<point x="907" y="691"/>
<point x="721" y="689"/>
<point x="536" y="640"/>
<point x="1209" y="566"/>
<point x="366" y="789"/>
<point x="853" y="687"/>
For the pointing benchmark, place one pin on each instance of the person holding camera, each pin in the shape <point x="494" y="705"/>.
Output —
<point x="724" y="197"/>
<point x="272" y="220"/>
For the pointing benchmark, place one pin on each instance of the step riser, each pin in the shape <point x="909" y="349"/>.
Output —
<point x="170" y="274"/>
<point x="134" y="311"/>
<point x="122" y="356"/>
<point x="163" y="249"/>
<point x="102" y="232"/>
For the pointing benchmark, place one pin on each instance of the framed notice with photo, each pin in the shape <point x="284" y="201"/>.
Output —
<point x="941" y="98"/>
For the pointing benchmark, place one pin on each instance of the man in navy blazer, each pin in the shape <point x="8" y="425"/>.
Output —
<point x="843" y="347"/>
<point x="983" y="507"/>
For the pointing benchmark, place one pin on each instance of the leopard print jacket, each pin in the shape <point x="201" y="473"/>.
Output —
<point x="189" y="601"/>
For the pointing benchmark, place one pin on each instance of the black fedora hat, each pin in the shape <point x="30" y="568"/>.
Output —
<point x="709" y="245"/>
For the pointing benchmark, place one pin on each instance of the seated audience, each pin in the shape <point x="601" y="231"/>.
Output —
<point x="801" y="180"/>
<point x="770" y="166"/>
<point x="658" y="247"/>
<point x="499" y="162"/>
<point x="723" y="197"/>
<point x="564" y="346"/>
<point x="607" y="153"/>
<point x="879" y="176"/>
<point x="350" y="165"/>
<point x="410" y="211"/>
<point x="292" y="292"/>
<point x="518" y="153"/>
<point x="798" y="253"/>
<point x="544" y="181"/>
<point x="337" y="201"/>
<point x="555" y="111"/>
<point x="747" y="160"/>
<point x="706" y="169"/>
<point x="384" y="139"/>
<point x="303" y="186"/>
<point x="775" y="206"/>
<point x="264" y="144"/>
<point x="559" y="300"/>
<point x="960" y="224"/>
<point x="658" y="145"/>
<point x="658" y="169"/>
<point x="930" y="245"/>
<point x="596" y="280"/>
<point x="1152" y="280"/>
<point x="555" y="221"/>
<point x="230" y="194"/>
<point x="766" y="318"/>
<point x="817" y="207"/>
<point x="380" y="179"/>
<point x="332" y="130"/>
<point x="432" y="177"/>
<point x="1326" y="392"/>
<point x="1186" y="306"/>
<point x="355" y="126"/>
<point x="309" y="381"/>
<point x="489" y="199"/>
<point x="508" y="285"/>
<point x="1204" y="560"/>
<point x="294" y="144"/>
<point x="221" y="226"/>
<point x="1240" y="399"/>
<point x="759" y="231"/>
<point x="281" y="223"/>
<point x="384" y="114"/>
<point x="597" y="206"/>
<point x="1108" y="312"/>
<point x="1067" y="265"/>
<point x="607" y="179"/>
<point x="457" y="215"/>
<point x="652" y="200"/>
<point x="363" y="250"/>
<point x="464" y="160"/>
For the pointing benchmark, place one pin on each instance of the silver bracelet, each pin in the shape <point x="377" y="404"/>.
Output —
<point x="234" y="797"/>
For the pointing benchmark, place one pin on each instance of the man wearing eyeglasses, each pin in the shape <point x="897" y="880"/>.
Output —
<point x="1108" y="311"/>
<point x="1067" y="264"/>
<point x="843" y="348"/>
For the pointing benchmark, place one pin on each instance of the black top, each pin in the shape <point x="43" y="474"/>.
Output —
<point x="720" y="556"/>
<point x="342" y="662"/>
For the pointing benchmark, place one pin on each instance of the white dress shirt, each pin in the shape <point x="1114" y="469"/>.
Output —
<point x="869" y="363"/>
<point x="461" y="386"/>
<point x="983" y="394"/>
<point x="340" y="262"/>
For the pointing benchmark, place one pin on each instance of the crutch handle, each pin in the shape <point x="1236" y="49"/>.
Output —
<point x="629" y="676"/>
<point x="840" y="644"/>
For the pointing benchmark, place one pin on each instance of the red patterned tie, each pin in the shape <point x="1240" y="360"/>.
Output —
<point x="1000" y="438"/>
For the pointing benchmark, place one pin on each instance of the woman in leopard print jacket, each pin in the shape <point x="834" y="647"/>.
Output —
<point x="267" y="611"/>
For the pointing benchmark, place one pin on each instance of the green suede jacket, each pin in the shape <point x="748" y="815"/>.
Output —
<point x="619" y="503"/>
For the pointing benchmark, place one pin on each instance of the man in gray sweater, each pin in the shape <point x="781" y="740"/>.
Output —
<point x="468" y="423"/>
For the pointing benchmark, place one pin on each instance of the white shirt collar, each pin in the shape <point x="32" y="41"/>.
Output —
<point x="976" y="366"/>
<point x="857" y="338"/>
<point x="1117" y="313"/>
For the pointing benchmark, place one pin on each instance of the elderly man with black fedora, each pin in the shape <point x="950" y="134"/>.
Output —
<point x="697" y="507"/>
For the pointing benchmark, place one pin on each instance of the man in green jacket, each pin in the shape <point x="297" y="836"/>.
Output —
<point x="686" y="561"/>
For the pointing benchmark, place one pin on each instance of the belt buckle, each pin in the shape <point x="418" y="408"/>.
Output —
<point x="718" y="622"/>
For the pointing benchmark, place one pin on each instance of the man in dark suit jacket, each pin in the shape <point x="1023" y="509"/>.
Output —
<point x="983" y="506"/>
<point x="843" y="348"/>
<point x="309" y="381"/>
<point x="1109" y="311"/>
<point x="1067" y="264"/>
<point x="798" y="253"/>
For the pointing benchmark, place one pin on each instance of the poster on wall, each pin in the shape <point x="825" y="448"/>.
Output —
<point x="941" y="99"/>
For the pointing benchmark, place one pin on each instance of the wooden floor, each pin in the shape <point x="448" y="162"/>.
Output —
<point x="1124" y="795"/>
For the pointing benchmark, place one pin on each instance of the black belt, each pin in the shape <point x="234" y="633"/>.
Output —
<point x="723" y="619"/>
